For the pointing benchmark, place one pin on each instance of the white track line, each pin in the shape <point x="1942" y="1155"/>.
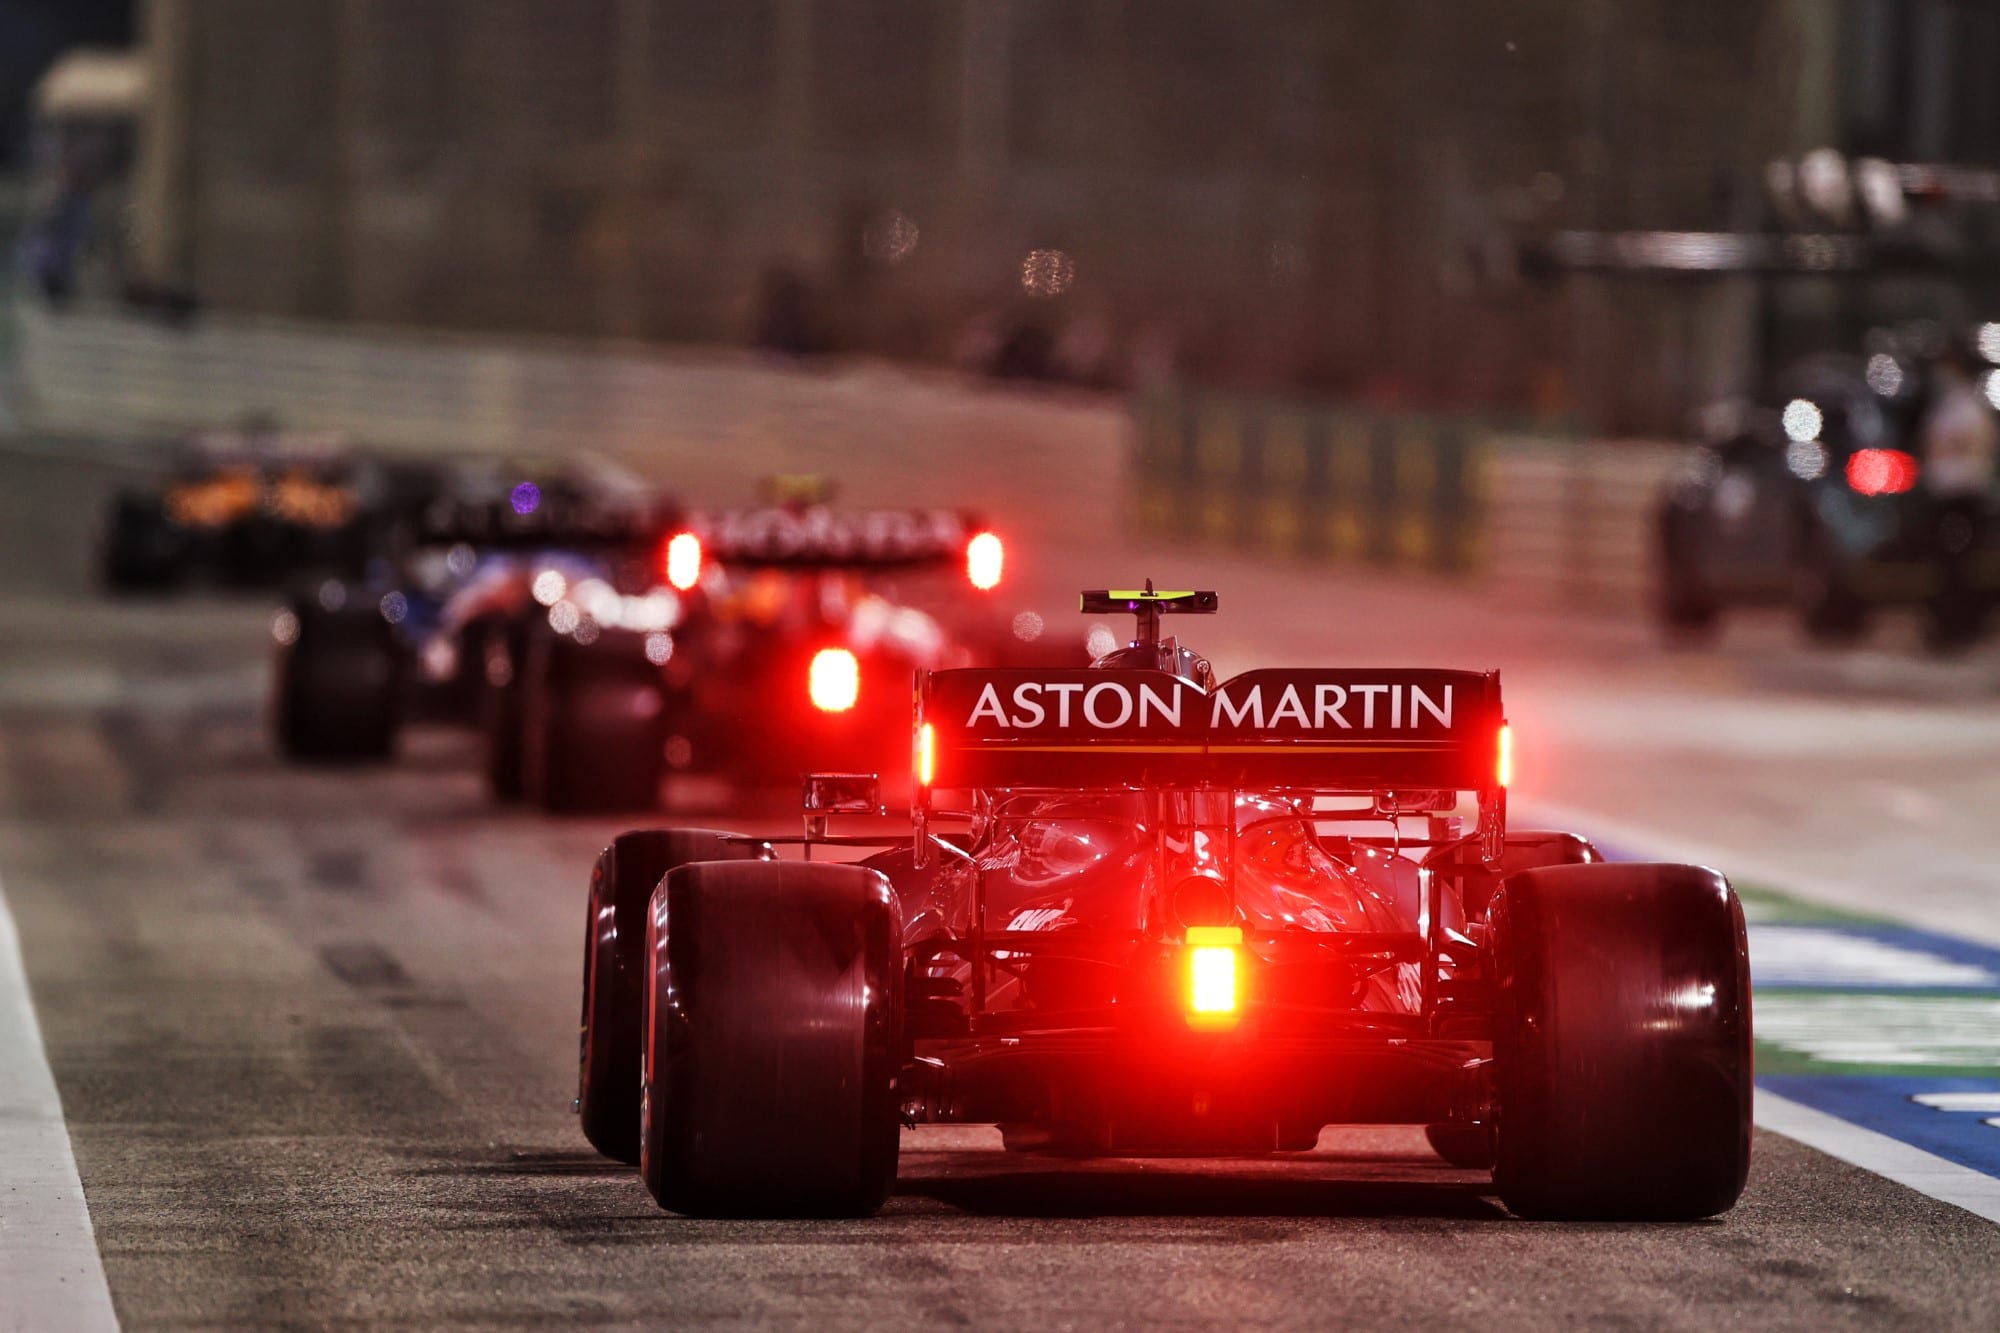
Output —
<point x="51" y="1276"/>
<point x="1893" y="1159"/>
<point x="1890" y="1158"/>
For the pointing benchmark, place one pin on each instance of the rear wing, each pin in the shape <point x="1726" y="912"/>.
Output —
<point x="1317" y="729"/>
<point x="818" y="537"/>
<point x="553" y="520"/>
<point x="1329" y="730"/>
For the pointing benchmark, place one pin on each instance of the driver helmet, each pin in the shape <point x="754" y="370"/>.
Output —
<point x="1167" y="655"/>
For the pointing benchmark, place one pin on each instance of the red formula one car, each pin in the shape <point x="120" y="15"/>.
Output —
<point x="793" y="635"/>
<point x="1142" y="912"/>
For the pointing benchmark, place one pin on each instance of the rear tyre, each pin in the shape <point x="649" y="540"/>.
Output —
<point x="1689" y="610"/>
<point x="1830" y="608"/>
<point x="1955" y="616"/>
<point x="340" y="685"/>
<point x="1953" y="623"/>
<point x="773" y="1041"/>
<point x="1463" y="1145"/>
<point x="502" y="707"/>
<point x="1621" y="1043"/>
<point x="142" y="549"/>
<point x="614" y="931"/>
<point x="594" y="726"/>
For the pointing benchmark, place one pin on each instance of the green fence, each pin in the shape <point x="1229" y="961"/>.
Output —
<point x="1325" y="483"/>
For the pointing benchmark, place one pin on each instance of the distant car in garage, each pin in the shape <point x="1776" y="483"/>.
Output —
<point x="1819" y="501"/>
<point x="1139" y="912"/>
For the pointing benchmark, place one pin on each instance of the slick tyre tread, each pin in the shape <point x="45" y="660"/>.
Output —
<point x="1467" y="1146"/>
<point x="1621" y="1043"/>
<point x="1831" y="610"/>
<point x="141" y="550"/>
<point x="340" y="686"/>
<point x="502" y="690"/>
<point x="773" y="1041"/>
<point x="621" y="884"/>
<point x="594" y="732"/>
<point x="1688" y="608"/>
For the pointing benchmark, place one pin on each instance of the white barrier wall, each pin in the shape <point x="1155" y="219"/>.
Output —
<point x="1564" y="522"/>
<point x="1572" y="522"/>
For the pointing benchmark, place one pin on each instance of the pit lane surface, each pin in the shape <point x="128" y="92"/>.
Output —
<point x="314" y="1032"/>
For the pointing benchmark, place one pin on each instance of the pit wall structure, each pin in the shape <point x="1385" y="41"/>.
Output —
<point x="1547" y="515"/>
<point x="1547" y="518"/>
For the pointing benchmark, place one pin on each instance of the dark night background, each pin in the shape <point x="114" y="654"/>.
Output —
<point x="34" y="32"/>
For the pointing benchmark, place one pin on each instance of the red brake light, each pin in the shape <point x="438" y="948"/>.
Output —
<point x="683" y="562"/>
<point x="985" y="556"/>
<point x="1504" y="759"/>
<point x="835" y="680"/>
<point x="1881" y="471"/>
<point x="926" y="754"/>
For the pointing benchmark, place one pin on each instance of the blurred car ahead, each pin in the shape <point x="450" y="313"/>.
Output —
<point x="254" y="509"/>
<point x="793" y="637"/>
<point x="1825" y="501"/>
<point x="413" y="635"/>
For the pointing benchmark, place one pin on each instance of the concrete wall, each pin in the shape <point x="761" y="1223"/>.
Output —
<point x="1550" y="520"/>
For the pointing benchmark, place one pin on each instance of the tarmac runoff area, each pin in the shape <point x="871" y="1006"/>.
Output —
<point x="313" y="1033"/>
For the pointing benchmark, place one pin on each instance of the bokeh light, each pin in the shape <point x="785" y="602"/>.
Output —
<point x="1989" y="341"/>
<point x="395" y="607"/>
<point x="1884" y="375"/>
<point x="285" y="628"/>
<point x="1806" y="459"/>
<point x="1047" y="272"/>
<point x="1881" y="471"/>
<point x="1028" y="627"/>
<point x="549" y="587"/>
<point x="890" y="237"/>
<point x="1802" y="420"/>
<point x="526" y="498"/>
<point x="439" y="658"/>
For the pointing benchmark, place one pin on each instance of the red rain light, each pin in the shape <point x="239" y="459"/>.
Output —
<point x="835" y="680"/>
<point x="926" y="754"/>
<point x="1213" y="990"/>
<point x="1881" y="471"/>
<point x="985" y="556"/>
<point x="683" y="562"/>
<point x="1504" y="761"/>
